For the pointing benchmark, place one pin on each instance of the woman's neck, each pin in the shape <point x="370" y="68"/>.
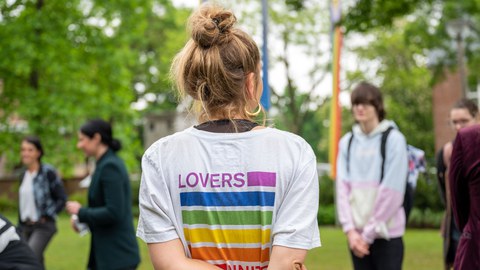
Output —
<point x="34" y="167"/>
<point x="223" y="117"/>
<point x="102" y="149"/>
<point x="368" y="126"/>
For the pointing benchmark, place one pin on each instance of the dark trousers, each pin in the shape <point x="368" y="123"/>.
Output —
<point x="384" y="255"/>
<point x="38" y="235"/>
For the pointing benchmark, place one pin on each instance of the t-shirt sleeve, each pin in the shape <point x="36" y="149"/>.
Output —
<point x="157" y="219"/>
<point x="296" y="223"/>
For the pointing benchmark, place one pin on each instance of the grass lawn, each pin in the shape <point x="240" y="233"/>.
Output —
<point x="423" y="250"/>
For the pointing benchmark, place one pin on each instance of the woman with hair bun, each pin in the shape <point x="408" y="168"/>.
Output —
<point x="109" y="213"/>
<point x="228" y="193"/>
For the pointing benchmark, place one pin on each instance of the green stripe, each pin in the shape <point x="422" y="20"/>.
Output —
<point x="227" y="217"/>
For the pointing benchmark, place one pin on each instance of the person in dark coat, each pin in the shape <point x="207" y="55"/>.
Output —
<point x="465" y="195"/>
<point x="109" y="213"/>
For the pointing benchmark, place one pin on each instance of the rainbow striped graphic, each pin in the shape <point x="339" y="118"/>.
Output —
<point x="231" y="229"/>
<point x="336" y="111"/>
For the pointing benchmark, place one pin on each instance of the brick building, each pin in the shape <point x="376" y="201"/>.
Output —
<point x="445" y="94"/>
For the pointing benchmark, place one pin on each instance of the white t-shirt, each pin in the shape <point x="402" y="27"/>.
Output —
<point x="229" y="197"/>
<point x="28" y="210"/>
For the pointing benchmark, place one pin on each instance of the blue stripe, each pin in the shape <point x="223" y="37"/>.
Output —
<point x="248" y="198"/>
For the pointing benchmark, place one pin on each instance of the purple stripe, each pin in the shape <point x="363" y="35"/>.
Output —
<point x="261" y="179"/>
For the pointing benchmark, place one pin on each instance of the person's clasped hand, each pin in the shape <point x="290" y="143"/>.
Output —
<point x="73" y="207"/>
<point x="356" y="243"/>
<point x="299" y="266"/>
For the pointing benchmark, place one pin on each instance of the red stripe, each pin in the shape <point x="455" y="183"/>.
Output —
<point x="231" y="254"/>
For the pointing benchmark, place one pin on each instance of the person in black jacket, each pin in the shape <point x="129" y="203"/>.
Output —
<point x="41" y="197"/>
<point x="109" y="211"/>
<point x="15" y="253"/>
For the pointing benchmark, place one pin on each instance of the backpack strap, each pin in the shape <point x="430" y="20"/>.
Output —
<point x="4" y="225"/>
<point x="348" y="152"/>
<point x="383" y="150"/>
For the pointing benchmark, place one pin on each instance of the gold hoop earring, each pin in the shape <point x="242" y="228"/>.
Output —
<point x="254" y="114"/>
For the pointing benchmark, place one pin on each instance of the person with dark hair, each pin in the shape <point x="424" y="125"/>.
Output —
<point x="370" y="187"/>
<point x="464" y="183"/>
<point x="228" y="193"/>
<point x="463" y="114"/>
<point x="41" y="197"/>
<point x="109" y="211"/>
<point x="15" y="253"/>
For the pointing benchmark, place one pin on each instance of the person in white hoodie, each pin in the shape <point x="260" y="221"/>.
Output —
<point x="370" y="188"/>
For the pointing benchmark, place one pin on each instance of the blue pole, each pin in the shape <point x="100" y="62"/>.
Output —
<point x="265" y="99"/>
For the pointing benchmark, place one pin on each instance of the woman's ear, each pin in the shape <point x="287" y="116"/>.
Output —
<point x="251" y="86"/>
<point x="97" y="137"/>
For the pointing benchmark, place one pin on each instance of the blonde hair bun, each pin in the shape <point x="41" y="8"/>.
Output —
<point x="214" y="64"/>
<point x="211" y="25"/>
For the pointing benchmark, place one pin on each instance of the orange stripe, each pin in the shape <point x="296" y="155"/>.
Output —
<point x="231" y="254"/>
<point x="336" y="112"/>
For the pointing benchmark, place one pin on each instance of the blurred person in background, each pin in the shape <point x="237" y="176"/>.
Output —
<point x="41" y="197"/>
<point x="463" y="114"/>
<point x="109" y="211"/>
<point x="370" y="188"/>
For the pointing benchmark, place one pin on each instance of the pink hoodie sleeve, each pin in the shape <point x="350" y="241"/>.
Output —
<point x="343" y="189"/>
<point x="387" y="204"/>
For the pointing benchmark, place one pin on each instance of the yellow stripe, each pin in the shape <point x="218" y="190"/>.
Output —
<point x="238" y="236"/>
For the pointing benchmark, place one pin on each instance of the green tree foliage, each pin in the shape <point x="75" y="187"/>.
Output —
<point x="164" y="36"/>
<point x="295" y="28"/>
<point x="405" y="82"/>
<point x="367" y="14"/>
<point x="301" y="30"/>
<point x="316" y="129"/>
<point x="425" y="23"/>
<point x="65" y="62"/>
<point x="295" y="4"/>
